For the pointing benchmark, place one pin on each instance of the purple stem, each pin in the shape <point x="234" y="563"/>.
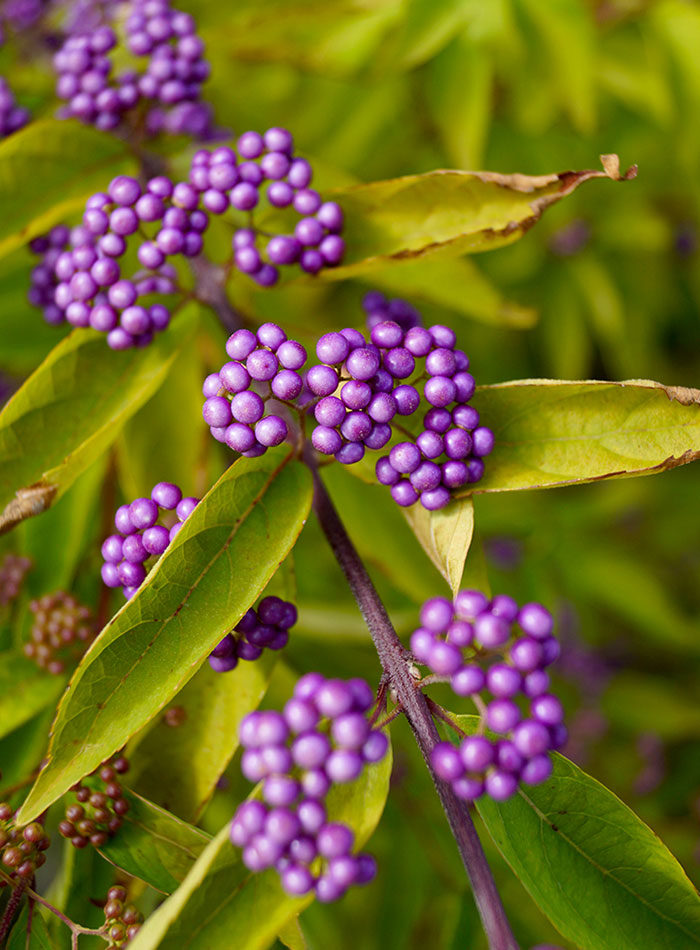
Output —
<point x="393" y="658"/>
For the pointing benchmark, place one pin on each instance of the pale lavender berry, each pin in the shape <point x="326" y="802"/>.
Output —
<point x="436" y="499"/>
<point x="375" y="746"/>
<point x="130" y="574"/>
<point x="244" y="196"/>
<point x="446" y="761"/>
<point x="500" y="785"/>
<point x="547" y="709"/>
<point x="468" y="680"/>
<point x="436" y="614"/>
<point x="537" y="770"/>
<point x="405" y="457"/>
<point x="508" y="757"/>
<point x="315" y="783"/>
<point x="531" y="738"/>
<point x="502" y="715"/>
<point x="343" y="765"/>
<point x="307" y="201"/>
<point x="286" y="385"/>
<point x="440" y="391"/>
<point x="134" y="549"/>
<point x="535" y="683"/>
<point x="476" y="753"/>
<point x="262" y="365"/>
<point x="386" y="473"/>
<point x="122" y="520"/>
<point x="468" y="788"/>
<point x="407" y="399"/>
<point x="300" y="715"/>
<point x="526" y="654"/>
<point x="185" y="507"/>
<point x="404" y="493"/>
<point x="430" y="443"/>
<point x="334" y="839"/>
<point x="503" y="680"/>
<point x="330" y="215"/>
<point x="343" y="870"/>
<point x="460" y="633"/>
<point x="322" y="380"/>
<point x="249" y="820"/>
<point x="143" y="513"/>
<point x="247" y="407"/>
<point x="350" y="453"/>
<point x="379" y="436"/>
<point x="233" y="376"/>
<point x="124" y="190"/>
<point x="291" y="355"/>
<point x="300" y="173"/>
<point x="332" y="249"/>
<point x="297" y="880"/>
<point x="333" y="698"/>
<point x="282" y="825"/>
<point x="275" y="165"/>
<point x="110" y="575"/>
<point x="458" y="443"/>
<point x="535" y="620"/>
<point x="326" y="440"/>
<point x="327" y="890"/>
<point x="217" y="411"/>
<point x="332" y="348"/>
<point x="310" y="750"/>
<point x="426" y="477"/>
<point x="362" y="362"/>
<point x="483" y="441"/>
<point x="490" y="631"/>
<point x="156" y="539"/>
<point x="112" y="548"/>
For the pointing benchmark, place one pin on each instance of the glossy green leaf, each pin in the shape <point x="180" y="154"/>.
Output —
<point x="25" y="689"/>
<point x="552" y="432"/>
<point x="210" y="575"/>
<point x="445" y="536"/>
<point x="178" y="766"/>
<point x="48" y="169"/>
<point x="71" y="409"/>
<point x="23" y="938"/>
<point x="594" y="868"/>
<point x="220" y="897"/>
<point x="154" y="845"/>
<point x="452" y="211"/>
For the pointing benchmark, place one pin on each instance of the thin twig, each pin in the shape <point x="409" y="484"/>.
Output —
<point x="393" y="657"/>
<point x="437" y="710"/>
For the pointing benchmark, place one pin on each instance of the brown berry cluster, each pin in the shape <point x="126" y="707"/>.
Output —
<point x="13" y="569"/>
<point x="21" y="847"/>
<point x="122" y="920"/>
<point x="98" y="812"/>
<point x="61" y="631"/>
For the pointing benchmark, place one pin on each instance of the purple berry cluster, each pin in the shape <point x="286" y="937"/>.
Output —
<point x="321" y="737"/>
<point x="12" y="116"/>
<point x="379" y="308"/>
<point x="373" y="392"/>
<point x="91" y="290"/>
<point x="263" y="368"/>
<point x="455" y="640"/>
<point x="170" y="85"/>
<point x="448" y="452"/>
<point x="41" y="293"/>
<point x="13" y="570"/>
<point x="19" y="15"/>
<point x="268" y="626"/>
<point x="227" y="178"/>
<point x="140" y="537"/>
<point x="83" y="80"/>
<point x="21" y="847"/>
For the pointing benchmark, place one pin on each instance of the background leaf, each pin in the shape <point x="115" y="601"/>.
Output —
<point x="49" y="413"/>
<point x="25" y="689"/>
<point x="454" y="211"/>
<point x="154" y="845"/>
<point x="38" y="939"/>
<point x="178" y="766"/>
<point x="218" y="564"/>
<point x="48" y="169"/>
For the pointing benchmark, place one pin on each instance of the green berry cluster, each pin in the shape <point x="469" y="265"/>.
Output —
<point x="97" y="814"/>
<point x="21" y="847"/>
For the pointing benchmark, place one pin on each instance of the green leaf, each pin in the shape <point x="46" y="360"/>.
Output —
<point x="593" y="867"/>
<point x="154" y="845"/>
<point x="36" y="939"/>
<point x="445" y="536"/>
<point x="71" y="409"/>
<point x="178" y="766"/>
<point x="380" y="533"/>
<point x="21" y="752"/>
<point x="447" y="211"/>
<point x="292" y="936"/>
<point x="220" y="897"/>
<point x="631" y="694"/>
<point x="48" y="170"/>
<point x="457" y="284"/>
<point x="25" y="689"/>
<point x="209" y="576"/>
<point x="555" y="432"/>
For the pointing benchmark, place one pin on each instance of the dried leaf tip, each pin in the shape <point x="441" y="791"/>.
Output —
<point x="611" y="166"/>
